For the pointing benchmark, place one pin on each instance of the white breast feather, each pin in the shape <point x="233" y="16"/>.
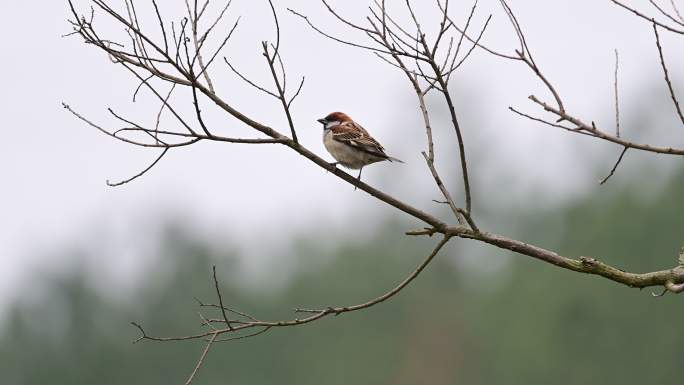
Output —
<point x="348" y="156"/>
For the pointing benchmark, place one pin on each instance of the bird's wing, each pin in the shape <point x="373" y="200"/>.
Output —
<point x="356" y="136"/>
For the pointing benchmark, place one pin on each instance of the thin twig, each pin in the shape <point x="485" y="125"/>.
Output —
<point x="430" y="155"/>
<point x="141" y="173"/>
<point x="676" y="9"/>
<point x="534" y="118"/>
<point x="649" y="18"/>
<point x="352" y="44"/>
<point x="202" y="357"/>
<point x="281" y="89"/>
<point x="664" y="13"/>
<point x="667" y="76"/>
<point x="617" y="104"/>
<point x="387" y="295"/>
<point x="194" y="20"/>
<point x="218" y="294"/>
<point x="204" y="37"/>
<point x="299" y="89"/>
<point x="597" y="133"/>
<point x="262" y="331"/>
<point x="248" y="81"/>
<point x="612" y="172"/>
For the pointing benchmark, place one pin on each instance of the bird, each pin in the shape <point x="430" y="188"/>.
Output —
<point x="350" y="144"/>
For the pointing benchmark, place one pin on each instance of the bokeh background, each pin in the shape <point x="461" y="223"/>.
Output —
<point x="79" y="260"/>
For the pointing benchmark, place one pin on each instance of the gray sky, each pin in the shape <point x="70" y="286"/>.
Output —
<point x="53" y="167"/>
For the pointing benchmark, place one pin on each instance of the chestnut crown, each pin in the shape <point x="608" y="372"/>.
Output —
<point x="335" y="117"/>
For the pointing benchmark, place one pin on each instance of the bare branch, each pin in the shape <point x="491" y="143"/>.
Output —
<point x="205" y="35"/>
<point x="161" y="25"/>
<point x="585" y="265"/>
<point x="457" y="128"/>
<point x="579" y="131"/>
<point x="218" y="294"/>
<point x="391" y="293"/>
<point x="676" y="10"/>
<point x="248" y="81"/>
<point x="277" y="28"/>
<point x="664" y="13"/>
<point x="595" y="132"/>
<point x="650" y="19"/>
<point x="612" y="171"/>
<point x="165" y="103"/>
<point x="667" y="76"/>
<point x="141" y="173"/>
<point x="198" y="111"/>
<point x="453" y="67"/>
<point x="617" y="100"/>
<point x="262" y="331"/>
<point x="464" y="33"/>
<point x="343" y="20"/>
<point x="267" y="325"/>
<point x="249" y="317"/>
<point x="428" y="66"/>
<point x="430" y="156"/>
<point x="142" y="83"/>
<point x="218" y="50"/>
<point x="201" y="359"/>
<point x="281" y="90"/>
<point x="299" y="89"/>
<point x="388" y="52"/>
<point x="194" y="20"/>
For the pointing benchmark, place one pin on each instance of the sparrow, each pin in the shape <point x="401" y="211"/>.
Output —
<point x="350" y="144"/>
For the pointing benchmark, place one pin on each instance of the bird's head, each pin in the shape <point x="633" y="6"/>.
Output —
<point x="334" y="119"/>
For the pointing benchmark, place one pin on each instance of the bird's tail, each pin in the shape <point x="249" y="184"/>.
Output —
<point x="393" y="159"/>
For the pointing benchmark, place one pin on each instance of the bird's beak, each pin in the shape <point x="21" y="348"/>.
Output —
<point x="322" y="121"/>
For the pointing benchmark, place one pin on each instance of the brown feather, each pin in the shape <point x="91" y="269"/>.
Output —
<point x="352" y="134"/>
<point x="338" y="117"/>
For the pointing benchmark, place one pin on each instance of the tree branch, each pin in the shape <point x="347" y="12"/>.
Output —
<point x="592" y="130"/>
<point x="667" y="76"/>
<point x="426" y="65"/>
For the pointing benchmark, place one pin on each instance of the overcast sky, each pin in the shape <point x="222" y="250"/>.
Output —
<point x="53" y="193"/>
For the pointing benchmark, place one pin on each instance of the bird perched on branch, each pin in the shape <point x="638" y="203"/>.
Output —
<point x="350" y="144"/>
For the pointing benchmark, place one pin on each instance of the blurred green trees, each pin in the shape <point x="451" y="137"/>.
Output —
<point x="530" y="324"/>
